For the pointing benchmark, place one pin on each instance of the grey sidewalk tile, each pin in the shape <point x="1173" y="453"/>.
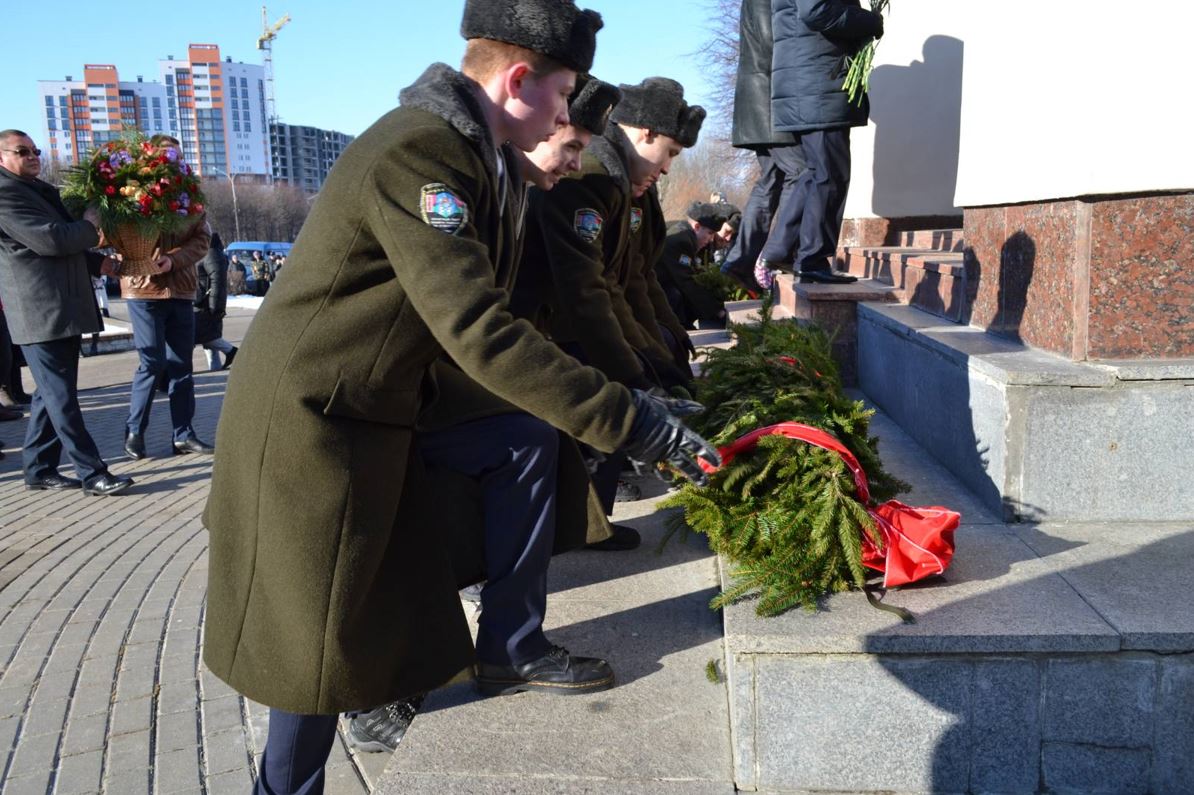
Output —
<point x="34" y="755"/>
<point x="177" y="730"/>
<point x="33" y="784"/>
<point x="13" y="700"/>
<point x="81" y="773"/>
<point x="235" y="782"/>
<point x="177" y="770"/>
<point x="131" y="715"/>
<point x="222" y="713"/>
<point x="225" y="751"/>
<point x="131" y="750"/>
<point x="83" y="734"/>
<point x="45" y="717"/>
<point x="92" y="699"/>
<point x="177" y="696"/>
<point x="131" y="779"/>
<point x="400" y="783"/>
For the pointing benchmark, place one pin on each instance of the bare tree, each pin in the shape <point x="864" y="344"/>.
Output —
<point x="263" y="212"/>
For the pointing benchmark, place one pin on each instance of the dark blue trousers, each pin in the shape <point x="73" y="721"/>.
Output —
<point x="514" y="457"/>
<point x="55" y="419"/>
<point x="164" y="333"/>
<point x="780" y="168"/>
<point x="809" y="222"/>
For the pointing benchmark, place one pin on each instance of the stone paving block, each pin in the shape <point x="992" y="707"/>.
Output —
<point x="402" y="783"/>
<point x="225" y="751"/>
<point x="13" y="700"/>
<point x="742" y="717"/>
<point x="177" y="730"/>
<point x="818" y="714"/>
<point x="8" y="732"/>
<point x="1121" y="716"/>
<point x="178" y="667"/>
<point x="45" y="716"/>
<point x="177" y="697"/>
<point x="127" y="780"/>
<point x="132" y="715"/>
<point x="222" y="713"/>
<point x="1005" y="726"/>
<point x="84" y="734"/>
<point x="34" y="784"/>
<point x="130" y="749"/>
<point x="35" y="755"/>
<point x="343" y="779"/>
<point x="1173" y="751"/>
<point x="235" y="782"/>
<point x="80" y="773"/>
<point x="91" y="699"/>
<point x="177" y="770"/>
<point x="214" y="687"/>
<point x="1071" y="769"/>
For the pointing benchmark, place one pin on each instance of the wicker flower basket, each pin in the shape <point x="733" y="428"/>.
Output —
<point x="138" y="250"/>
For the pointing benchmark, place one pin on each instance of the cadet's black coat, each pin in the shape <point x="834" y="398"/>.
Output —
<point x="676" y="266"/>
<point x="579" y="281"/>
<point x="331" y="583"/>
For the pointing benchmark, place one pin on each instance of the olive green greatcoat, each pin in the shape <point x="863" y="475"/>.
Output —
<point x="643" y="292"/>
<point x="332" y="582"/>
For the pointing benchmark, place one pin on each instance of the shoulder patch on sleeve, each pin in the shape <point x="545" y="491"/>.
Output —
<point x="636" y="219"/>
<point x="685" y="260"/>
<point x="442" y="208"/>
<point x="587" y="224"/>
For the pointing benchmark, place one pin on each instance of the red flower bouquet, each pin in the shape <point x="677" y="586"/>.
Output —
<point x="141" y="190"/>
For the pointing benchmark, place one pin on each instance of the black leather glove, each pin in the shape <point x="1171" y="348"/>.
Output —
<point x="878" y="25"/>
<point x="672" y="404"/>
<point x="658" y="435"/>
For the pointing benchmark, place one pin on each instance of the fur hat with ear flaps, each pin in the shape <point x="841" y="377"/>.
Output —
<point x="591" y="103"/>
<point x="555" y="28"/>
<point x="657" y="104"/>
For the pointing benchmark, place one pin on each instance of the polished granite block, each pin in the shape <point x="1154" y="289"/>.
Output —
<point x="1095" y="278"/>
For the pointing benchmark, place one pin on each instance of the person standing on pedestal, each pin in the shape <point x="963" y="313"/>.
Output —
<point x="45" y="262"/>
<point x="160" y="308"/>
<point x="813" y="40"/>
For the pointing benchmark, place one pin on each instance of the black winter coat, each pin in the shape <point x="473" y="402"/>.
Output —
<point x="813" y="39"/>
<point x="752" y="89"/>
<point x="212" y="300"/>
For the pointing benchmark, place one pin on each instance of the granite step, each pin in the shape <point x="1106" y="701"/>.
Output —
<point x="833" y="307"/>
<point x="934" y="281"/>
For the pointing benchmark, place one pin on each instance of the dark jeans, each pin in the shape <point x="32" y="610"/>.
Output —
<point x="809" y="223"/>
<point x="780" y="168"/>
<point x="55" y="419"/>
<point x="164" y="333"/>
<point x="514" y="456"/>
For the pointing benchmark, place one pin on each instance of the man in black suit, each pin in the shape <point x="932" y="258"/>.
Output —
<point x="45" y="270"/>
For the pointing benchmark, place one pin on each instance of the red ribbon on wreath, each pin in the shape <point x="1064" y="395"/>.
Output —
<point x="917" y="542"/>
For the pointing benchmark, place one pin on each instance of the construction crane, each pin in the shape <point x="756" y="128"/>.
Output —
<point x="265" y="44"/>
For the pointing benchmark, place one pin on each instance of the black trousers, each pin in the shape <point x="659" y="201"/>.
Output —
<point x="809" y="222"/>
<point x="780" y="168"/>
<point x="55" y="419"/>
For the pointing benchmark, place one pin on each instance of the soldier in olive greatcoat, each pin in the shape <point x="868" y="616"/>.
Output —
<point x="333" y="577"/>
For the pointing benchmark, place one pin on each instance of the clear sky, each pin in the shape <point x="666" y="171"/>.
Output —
<point x="337" y="65"/>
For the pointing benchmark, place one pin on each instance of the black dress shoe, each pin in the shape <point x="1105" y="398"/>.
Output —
<point x="8" y="415"/>
<point x="134" y="445"/>
<point x="228" y="357"/>
<point x="555" y="672"/>
<point x="193" y="445"/>
<point x="624" y="538"/>
<point x="53" y="482"/>
<point x="826" y="277"/>
<point x="105" y="485"/>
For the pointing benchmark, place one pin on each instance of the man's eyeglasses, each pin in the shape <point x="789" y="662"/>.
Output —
<point x="24" y="151"/>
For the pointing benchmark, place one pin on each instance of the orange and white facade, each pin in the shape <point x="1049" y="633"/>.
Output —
<point x="216" y="108"/>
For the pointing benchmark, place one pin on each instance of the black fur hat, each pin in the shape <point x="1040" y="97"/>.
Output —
<point x="690" y="126"/>
<point x="710" y="216"/>
<point x="657" y="104"/>
<point x="591" y="103"/>
<point x="555" y="28"/>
